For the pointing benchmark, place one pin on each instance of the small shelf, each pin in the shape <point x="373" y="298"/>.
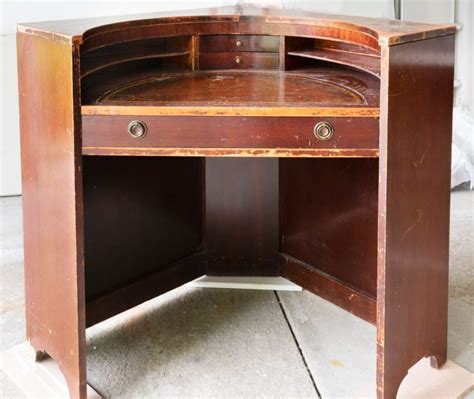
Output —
<point x="94" y="64"/>
<point x="367" y="63"/>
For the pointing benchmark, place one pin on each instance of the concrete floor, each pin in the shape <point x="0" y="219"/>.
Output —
<point x="231" y="343"/>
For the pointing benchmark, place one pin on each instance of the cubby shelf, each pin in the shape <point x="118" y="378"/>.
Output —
<point x="367" y="63"/>
<point x="94" y="64"/>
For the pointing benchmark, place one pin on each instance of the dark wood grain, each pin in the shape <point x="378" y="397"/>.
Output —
<point x="149" y="287"/>
<point x="292" y="43"/>
<point x="329" y="288"/>
<point x="238" y="43"/>
<point x="52" y="204"/>
<point x="414" y="192"/>
<point x="151" y="224"/>
<point x="328" y="216"/>
<point x="360" y="61"/>
<point x="238" y="60"/>
<point x="155" y="85"/>
<point x="229" y="132"/>
<point x="229" y="25"/>
<point x="237" y="19"/>
<point x="105" y="57"/>
<point x="242" y="216"/>
<point x="140" y="215"/>
<point x="345" y="47"/>
<point x="258" y="88"/>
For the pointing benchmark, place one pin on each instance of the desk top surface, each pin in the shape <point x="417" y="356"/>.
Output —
<point x="386" y="32"/>
<point x="303" y="92"/>
<point x="250" y="88"/>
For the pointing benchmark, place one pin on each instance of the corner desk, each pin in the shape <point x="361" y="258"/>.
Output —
<point x="237" y="141"/>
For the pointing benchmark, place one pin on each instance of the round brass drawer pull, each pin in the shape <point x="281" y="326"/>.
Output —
<point x="238" y="43"/>
<point x="238" y="59"/>
<point x="323" y="130"/>
<point x="137" y="129"/>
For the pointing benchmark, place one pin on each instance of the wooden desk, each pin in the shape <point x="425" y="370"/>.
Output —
<point x="237" y="141"/>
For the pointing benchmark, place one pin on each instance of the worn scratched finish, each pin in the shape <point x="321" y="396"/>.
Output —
<point x="230" y="132"/>
<point x="235" y="152"/>
<point x="230" y="88"/>
<point x="385" y="31"/>
<point x="229" y="177"/>
<point x="329" y="288"/>
<point x="52" y="205"/>
<point x="413" y="232"/>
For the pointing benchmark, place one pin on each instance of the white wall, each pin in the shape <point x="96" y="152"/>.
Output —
<point x="465" y="56"/>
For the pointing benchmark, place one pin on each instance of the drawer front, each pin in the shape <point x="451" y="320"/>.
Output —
<point x="238" y="60"/>
<point x="230" y="132"/>
<point x="229" y="43"/>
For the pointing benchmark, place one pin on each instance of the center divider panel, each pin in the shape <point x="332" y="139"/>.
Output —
<point x="242" y="216"/>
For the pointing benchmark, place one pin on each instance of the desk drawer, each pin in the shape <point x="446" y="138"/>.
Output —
<point x="229" y="43"/>
<point x="229" y="132"/>
<point x="238" y="60"/>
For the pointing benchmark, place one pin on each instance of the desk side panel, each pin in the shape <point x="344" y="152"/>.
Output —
<point x="143" y="229"/>
<point x="414" y="194"/>
<point x="52" y="205"/>
<point x="328" y="229"/>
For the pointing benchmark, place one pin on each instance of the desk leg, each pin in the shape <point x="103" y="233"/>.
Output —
<point x="414" y="194"/>
<point x="52" y="205"/>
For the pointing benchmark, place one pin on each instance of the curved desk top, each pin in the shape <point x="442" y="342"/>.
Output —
<point x="272" y="75"/>
<point x="305" y="92"/>
<point x="376" y="31"/>
<point x="230" y="88"/>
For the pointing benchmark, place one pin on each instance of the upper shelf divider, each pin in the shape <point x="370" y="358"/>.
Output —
<point x="138" y="50"/>
<point x="367" y="63"/>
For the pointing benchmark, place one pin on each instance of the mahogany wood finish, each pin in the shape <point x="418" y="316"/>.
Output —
<point x="229" y="132"/>
<point x="310" y="88"/>
<point x="149" y="287"/>
<point x="360" y="61"/>
<point x="413" y="231"/>
<point x="242" y="217"/>
<point x="228" y="177"/>
<point x="238" y="43"/>
<point x="238" y="60"/>
<point x="52" y="204"/>
<point x="308" y="194"/>
<point x="238" y="52"/>
<point x="121" y="53"/>
<point x="329" y="288"/>
<point x="140" y="211"/>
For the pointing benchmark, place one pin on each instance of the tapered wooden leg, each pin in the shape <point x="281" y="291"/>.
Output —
<point x="389" y="378"/>
<point x="414" y="194"/>
<point x="72" y="368"/>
